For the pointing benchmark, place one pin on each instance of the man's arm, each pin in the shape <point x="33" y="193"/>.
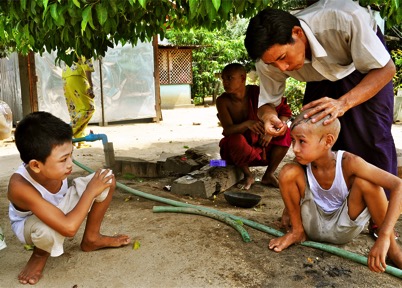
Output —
<point x="371" y="84"/>
<point x="272" y="89"/>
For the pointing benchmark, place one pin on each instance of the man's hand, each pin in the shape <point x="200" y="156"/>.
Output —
<point x="323" y="107"/>
<point x="274" y="126"/>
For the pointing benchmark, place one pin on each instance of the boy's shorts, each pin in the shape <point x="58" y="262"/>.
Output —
<point x="335" y="227"/>
<point x="42" y="236"/>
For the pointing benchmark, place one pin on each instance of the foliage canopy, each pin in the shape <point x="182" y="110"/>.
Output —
<point x="91" y="26"/>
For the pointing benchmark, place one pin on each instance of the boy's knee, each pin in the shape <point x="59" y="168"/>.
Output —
<point x="45" y="238"/>
<point x="288" y="173"/>
<point x="365" y="187"/>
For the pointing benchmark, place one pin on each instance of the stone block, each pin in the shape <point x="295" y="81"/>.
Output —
<point x="207" y="181"/>
<point x="180" y="165"/>
<point x="138" y="167"/>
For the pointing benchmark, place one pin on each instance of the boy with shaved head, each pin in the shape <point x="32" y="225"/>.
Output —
<point x="330" y="195"/>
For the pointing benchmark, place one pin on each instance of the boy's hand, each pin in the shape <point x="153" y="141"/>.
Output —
<point x="377" y="255"/>
<point x="256" y="126"/>
<point x="100" y="182"/>
<point x="264" y="140"/>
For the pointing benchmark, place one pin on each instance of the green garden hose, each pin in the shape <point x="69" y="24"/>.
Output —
<point x="327" y="248"/>
<point x="235" y="224"/>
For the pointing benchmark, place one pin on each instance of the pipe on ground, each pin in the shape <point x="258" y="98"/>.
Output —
<point x="324" y="247"/>
<point x="235" y="224"/>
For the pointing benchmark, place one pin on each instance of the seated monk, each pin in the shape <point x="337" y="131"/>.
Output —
<point x="245" y="144"/>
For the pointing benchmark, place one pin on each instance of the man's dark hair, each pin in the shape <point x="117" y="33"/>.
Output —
<point x="38" y="133"/>
<point x="269" y="27"/>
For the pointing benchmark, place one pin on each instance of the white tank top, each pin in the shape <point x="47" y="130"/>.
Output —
<point x="331" y="199"/>
<point x="17" y="218"/>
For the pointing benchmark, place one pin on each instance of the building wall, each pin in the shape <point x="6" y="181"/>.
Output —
<point x="127" y="80"/>
<point x="175" y="96"/>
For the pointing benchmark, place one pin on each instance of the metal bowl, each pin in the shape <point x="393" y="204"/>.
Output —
<point x="242" y="199"/>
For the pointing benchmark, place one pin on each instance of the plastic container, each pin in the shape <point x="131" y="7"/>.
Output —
<point x="2" y="240"/>
<point x="217" y="163"/>
<point x="6" y="120"/>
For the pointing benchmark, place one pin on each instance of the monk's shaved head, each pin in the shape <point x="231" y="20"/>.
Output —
<point x="318" y="127"/>
<point x="235" y="67"/>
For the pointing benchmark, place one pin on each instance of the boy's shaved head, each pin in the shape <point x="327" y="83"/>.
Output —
<point x="318" y="127"/>
<point x="235" y="67"/>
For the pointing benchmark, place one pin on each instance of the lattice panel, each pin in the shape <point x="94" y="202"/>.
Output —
<point x="163" y="66"/>
<point x="175" y="66"/>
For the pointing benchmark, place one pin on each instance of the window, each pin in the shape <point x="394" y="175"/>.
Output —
<point x="175" y="66"/>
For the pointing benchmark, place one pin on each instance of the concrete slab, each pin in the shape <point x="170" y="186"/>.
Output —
<point x="207" y="181"/>
<point x="197" y="177"/>
<point x="180" y="165"/>
<point x="138" y="167"/>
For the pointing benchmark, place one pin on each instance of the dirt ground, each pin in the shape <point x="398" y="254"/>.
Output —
<point x="181" y="250"/>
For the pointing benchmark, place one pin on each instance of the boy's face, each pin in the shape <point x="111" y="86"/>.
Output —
<point x="59" y="164"/>
<point x="233" y="81"/>
<point x="307" y="146"/>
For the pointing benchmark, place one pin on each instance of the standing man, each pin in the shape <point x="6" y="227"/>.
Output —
<point x="336" y="47"/>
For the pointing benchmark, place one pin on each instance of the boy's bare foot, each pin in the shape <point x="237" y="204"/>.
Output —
<point x="246" y="183"/>
<point x="32" y="271"/>
<point x="285" y="241"/>
<point x="104" y="242"/>
<point x="270" y="180"/>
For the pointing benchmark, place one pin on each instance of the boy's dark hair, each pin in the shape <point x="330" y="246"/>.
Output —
<point x="38" y="133"/>
<point x="269" y="27"/>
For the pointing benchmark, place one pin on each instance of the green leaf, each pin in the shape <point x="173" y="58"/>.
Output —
<point x="211" y="12"/>
<point x="143" y="3"/>
<point x="136" y="245"/>
<point x="86" y="14"/>
<point x="45" y="2"/>
<point x="107" y="26"/>
<point x="2" y="35"/>
<point x="53" y="11"/>
<point x="28" y="247"/>
<point x="129" y="176"/>
<point x="77" y="3"/>
<point x="239" y="222"/>
<point x="217" y="4"/>
<point x="226" y="6"/>
<point x="23" y="4"/>
<point x="60" y="19"/>
<point x="33" y="5"/>
<point x="193" y="7"/>
<point x="101" y="12"/>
